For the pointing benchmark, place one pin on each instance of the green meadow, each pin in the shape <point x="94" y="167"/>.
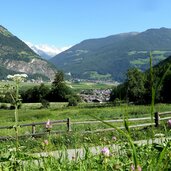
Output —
<point x="116" y="149"/>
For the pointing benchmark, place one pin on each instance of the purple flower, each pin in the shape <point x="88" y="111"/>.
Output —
<point x="48" y="124"/>
<point x="105" y="151"/>
<point x="169" y="123"/>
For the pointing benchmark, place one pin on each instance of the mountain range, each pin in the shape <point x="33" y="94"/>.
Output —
<point x="17" y="57"/>
<point x="105" y="58"/>
<point x="110" y="57"/>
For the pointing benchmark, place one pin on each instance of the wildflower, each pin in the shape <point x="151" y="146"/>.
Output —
<point x="133" y="168"/>
<point x="17" y="77"/>
<point x="48" y="124"/>
<point x="114" y="138"/>
<point x="105" y="151"/>
<point x="139" y="168"/>
<point x="46" y="142"/>
<point x="169" y="123"/>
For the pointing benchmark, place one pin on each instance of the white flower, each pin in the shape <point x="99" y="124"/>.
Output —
<point x="17" y="77"/>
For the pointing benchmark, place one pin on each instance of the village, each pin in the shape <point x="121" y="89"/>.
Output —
<point x="96" y="95"/>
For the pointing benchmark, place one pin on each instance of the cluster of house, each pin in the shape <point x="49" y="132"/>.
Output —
<point x="97" y="95"/>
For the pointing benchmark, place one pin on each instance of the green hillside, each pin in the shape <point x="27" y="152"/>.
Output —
<point x="113" y="55"/>
<point x="14" y="48"/>
<point x="16" y="56"/>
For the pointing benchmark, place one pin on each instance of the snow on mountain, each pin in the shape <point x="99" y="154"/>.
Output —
<point x="46" y="51"/>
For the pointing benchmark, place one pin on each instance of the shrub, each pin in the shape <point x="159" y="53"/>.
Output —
<point x="3" y="106"/>
<point x="72" y="101"/>
<point x="117" y="102"/>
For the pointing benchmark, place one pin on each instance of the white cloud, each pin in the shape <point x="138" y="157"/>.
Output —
<point x="50" y="50"/>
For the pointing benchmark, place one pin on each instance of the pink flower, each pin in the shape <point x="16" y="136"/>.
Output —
<point x="48" y="124"/>
<point x="46" y="142"/>
<point x="169" y="123"/>
<point x="105" y="151"/>
<point x="133" y="168"/>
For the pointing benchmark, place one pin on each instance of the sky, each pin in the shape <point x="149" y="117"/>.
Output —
<point x="64" y="23"/>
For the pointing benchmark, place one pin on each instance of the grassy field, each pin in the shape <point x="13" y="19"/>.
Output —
<point x="89" y="85"/>
<point x="122" y="159"/>
<point x="76" y="86"/>
<point x="32" y="113"/>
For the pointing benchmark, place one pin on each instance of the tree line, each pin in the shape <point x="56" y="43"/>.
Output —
<point x="57" y="92"/>
<point x="138" y="85"/>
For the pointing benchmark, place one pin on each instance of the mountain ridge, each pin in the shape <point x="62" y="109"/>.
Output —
<point x="113" y="55"/>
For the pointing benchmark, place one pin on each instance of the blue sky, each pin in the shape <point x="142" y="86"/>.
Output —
<point x="68" y="22"/>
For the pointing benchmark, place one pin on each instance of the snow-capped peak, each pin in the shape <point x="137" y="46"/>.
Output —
<point x="46" y="51"/>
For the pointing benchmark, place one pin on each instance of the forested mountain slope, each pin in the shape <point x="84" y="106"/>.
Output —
<point x="111" y="56"/>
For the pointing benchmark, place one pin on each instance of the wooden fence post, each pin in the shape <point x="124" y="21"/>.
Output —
<point x="33" y="129"/>
<point x="68" y="125"/>
<point x="157" y="119"/>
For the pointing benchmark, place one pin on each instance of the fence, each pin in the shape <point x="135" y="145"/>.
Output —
<point x="156" y="122"/>
<point x="157" y="118"/>
<point x="33" y="128"/>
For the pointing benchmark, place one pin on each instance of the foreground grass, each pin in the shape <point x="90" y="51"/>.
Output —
<point x="149" y="156"/>
<point x="152" y="157"/>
